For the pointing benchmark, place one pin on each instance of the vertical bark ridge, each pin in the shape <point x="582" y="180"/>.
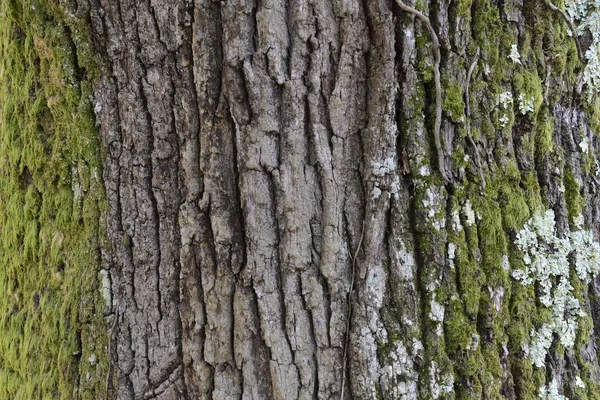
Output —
<point x="378" y="140"/>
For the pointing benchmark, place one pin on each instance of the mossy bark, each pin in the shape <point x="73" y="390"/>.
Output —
<point x="277" y="222"/>
<point x="53" y="339"/>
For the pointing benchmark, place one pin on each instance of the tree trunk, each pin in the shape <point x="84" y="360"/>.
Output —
<point x="302" y="204"/>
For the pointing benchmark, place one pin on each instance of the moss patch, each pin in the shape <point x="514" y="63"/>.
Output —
<point x="52" y="336"/>
<point x="453" y="103"/>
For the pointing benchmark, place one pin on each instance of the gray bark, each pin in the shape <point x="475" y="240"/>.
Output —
<point x="278" y="228"/>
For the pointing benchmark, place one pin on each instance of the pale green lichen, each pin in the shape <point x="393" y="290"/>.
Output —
<point x="587" y="15"/>
<point x="525" y="104"/>
<point x="505" y="101"/>
<point x="514" y="55"/>
<point x="550" y="392"/>
<point x="468" y="213"/>
<point x="440" y="385"/>
<point x="399" y="378"/>
<point x="547" y="264"/>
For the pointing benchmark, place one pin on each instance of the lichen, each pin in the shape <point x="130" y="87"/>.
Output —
<point x="546" y="263"/>
<point x="587" y="15"/>
<point x="525" y="104"/>
<point x="550" y="392"/>
<point x="514" y="55"/>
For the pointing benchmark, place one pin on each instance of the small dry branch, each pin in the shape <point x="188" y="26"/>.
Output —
<point x="347" y="338"/>
<point x="438" y="83"/>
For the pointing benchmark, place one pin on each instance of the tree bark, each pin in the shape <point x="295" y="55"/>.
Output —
<point x="278" y="223"/>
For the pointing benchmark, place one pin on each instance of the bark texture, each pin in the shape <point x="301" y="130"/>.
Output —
<point x="278" y="223"/>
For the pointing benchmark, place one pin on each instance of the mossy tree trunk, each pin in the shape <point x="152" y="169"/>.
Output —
<point x="283" y="222"/>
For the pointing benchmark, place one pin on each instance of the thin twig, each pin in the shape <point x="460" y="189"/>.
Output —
<point x="468" y="112"/>
<point x="347" y="338"/>
<point x="438" y="83"/>
<point x="571" y="27"/>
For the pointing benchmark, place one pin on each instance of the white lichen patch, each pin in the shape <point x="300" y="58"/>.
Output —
<point x="550" y="392"/>
<point x="399" y="377"/>
<point x="468" y="213"/>
<point x="514" y="54"/>
<point x="591" y="73"/>
<point x="587" y="254"/>
<point x="546" y="257"/>
<point x="406" y="262"/>
<point x="429" y="202"/>
<point x="433" y="202"/>
<point x="505" y="99"/>
<point x="525" y="104"/>
<point x="105" y="288"/>
<point x="584" y="145"/>
<point x="456" y="225"/>
<point x="437" y="311"/>
<point x="424" y="170"/>
<point x="587" y="15"/>
<point x="384" y="167"/>
<point x="451" y="254"/>
<point x="439" y="386"/>
<point x="540" y="343"/>
<point x="375" y="193"/>
<point x="451" y="251"/>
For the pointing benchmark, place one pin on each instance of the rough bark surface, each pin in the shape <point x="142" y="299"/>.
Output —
<point x="278" y="226"/>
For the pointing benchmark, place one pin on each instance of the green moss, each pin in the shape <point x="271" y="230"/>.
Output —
<point x="522" y="311"/>
<point x="453" y="103"/>
<point x="593" y="111"/>
<point x="51" y="316"/>
<point x="573" y="196"/>
<point x="492" y="241"/>
<point x="544" y="140"/>
<point x="493" y="376"/>
<point x="515" y="211"/>
<point x="489" y="129"/>
<point x="464" y="8"/>
<point x="529" y="85"/>
<point x="486" y="20"/>
<point x="469" y="275"/>
<point x="525" y="47"/>
<point x="532" y="192"/>
<point x="456" y="329"/>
